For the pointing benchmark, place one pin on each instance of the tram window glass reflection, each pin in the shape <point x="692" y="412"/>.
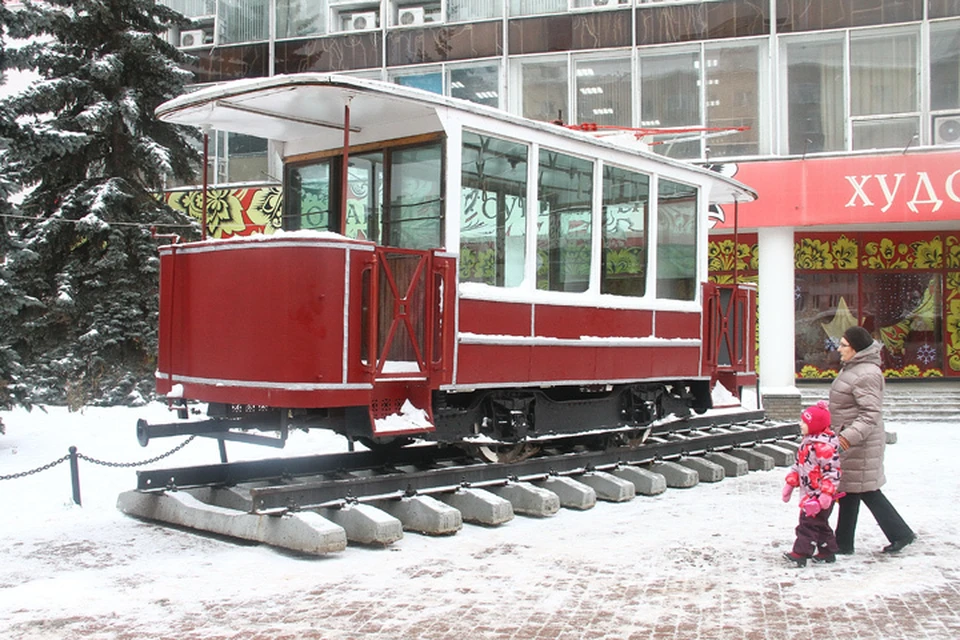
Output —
<point x="308" y="200"/>
<point x="364" y="196"/>
<point x="626" y="198"/>
<point x="413" y="219"/>
<point x="493" y="216"/>
<point x="676" y="241"/>
<point x="564" y="193"/>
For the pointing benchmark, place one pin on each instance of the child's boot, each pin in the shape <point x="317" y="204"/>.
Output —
<point x="796" y="558"/>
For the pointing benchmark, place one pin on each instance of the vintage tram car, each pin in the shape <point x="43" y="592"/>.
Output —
<point x="449" y="272"/>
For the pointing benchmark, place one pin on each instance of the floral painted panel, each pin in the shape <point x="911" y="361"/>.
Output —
<point x="232" y="212"/>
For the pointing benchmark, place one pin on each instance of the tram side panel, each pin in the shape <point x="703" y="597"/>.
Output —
<point x="261" y="325"/>
<point x="517" y="344"/>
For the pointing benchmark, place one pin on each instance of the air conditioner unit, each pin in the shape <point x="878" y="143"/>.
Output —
<point x="946" y="129"/>
<point x="191" y="38"/>
<point x="410" y="16"/>
<point x="363" y="21"/>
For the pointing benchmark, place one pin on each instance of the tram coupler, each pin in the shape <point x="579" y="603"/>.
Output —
<point x="221" y="429"/>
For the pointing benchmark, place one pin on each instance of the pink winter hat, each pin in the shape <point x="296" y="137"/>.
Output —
<point x="817" y="417"/>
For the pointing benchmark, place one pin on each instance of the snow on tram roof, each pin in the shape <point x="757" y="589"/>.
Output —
<point x="302" y="106"/>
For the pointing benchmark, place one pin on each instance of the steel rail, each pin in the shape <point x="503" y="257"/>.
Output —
<point x="397" y="482"/>
<point x="274" y="469"/>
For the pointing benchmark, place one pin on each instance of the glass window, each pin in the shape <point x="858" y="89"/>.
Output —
<point x="883" y="73"/>
<point x="903" y="312"/>
<point x="670" y="97"/>
<point x="733" y="99"/>
<point x="815" y="103"/>
<point x="885" y="133"/>
<point x="676" y="241"/>
<point x="298" y="18"/>
<point x="245" y="157"/>
<point x="460" y="10"/>
<point x="825" y="305"/>
<point x="603" y="91"/>
<point x="364" y="196"/>
<point x="477" y="83"/>
<point x="626" y="199"/>
<point x="431" y="81"/>
<point x="564" y="192"/>
<point x="413" y="218"/>
<point x="945" y="65"/>
<point x="883" y="81"/>
<point x="308" y="204"/>
<point x="243" y="20"/>
<point x="533" y="7"/>
<point x="544" y="90"/>
<point x="493" y="218"/>
<point x="192" y="8"/>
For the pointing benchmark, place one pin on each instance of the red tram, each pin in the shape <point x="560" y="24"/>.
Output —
<point x="447" y="272"/>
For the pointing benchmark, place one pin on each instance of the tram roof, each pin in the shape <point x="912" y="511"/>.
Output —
<point x="301" y="106"/>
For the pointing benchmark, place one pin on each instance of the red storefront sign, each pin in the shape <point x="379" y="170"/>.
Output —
<point x="901" y="188"/>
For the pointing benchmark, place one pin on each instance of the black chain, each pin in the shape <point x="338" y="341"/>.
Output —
<point x="124" y="465"/>
<point x="121" y="465"/>
<point x="49" y="465"/>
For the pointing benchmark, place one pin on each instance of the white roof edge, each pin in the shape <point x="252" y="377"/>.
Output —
<point x="730" y="190"/>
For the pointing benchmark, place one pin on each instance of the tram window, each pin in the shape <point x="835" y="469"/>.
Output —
<point x="308" y="201"/>
<point x="564" y="188"/>
<point x="493" y="216"/>
<point x="626" y="199"/>
<point x="364" y="196"/>
<point x="676" y="241"/>
<point x="416" y="200"/>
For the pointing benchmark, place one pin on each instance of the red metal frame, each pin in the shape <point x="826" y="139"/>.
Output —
<point x="729" y="348"/>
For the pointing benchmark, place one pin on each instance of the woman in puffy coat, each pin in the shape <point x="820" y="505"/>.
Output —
<point x="856" y="407"/>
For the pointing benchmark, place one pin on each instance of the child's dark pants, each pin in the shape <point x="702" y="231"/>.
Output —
<point x="815" y="534"/>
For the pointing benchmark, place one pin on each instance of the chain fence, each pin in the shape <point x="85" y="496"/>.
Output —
<point x="75" y="456"/>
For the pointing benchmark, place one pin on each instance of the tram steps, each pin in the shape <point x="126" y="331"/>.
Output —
<point x="906" y="402"/>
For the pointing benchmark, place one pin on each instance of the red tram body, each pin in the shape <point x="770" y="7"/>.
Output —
<point x="335" y="331"/>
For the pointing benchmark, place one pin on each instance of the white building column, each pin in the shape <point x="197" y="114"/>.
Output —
<point x="778" y="389"/>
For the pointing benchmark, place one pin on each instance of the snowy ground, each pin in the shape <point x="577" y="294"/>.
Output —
<point x="696" y="563"/>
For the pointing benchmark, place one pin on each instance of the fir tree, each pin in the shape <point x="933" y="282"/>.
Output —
<point x="92" y="157"/>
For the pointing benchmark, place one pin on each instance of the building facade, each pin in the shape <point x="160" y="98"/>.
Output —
<point x="844" y="115"/>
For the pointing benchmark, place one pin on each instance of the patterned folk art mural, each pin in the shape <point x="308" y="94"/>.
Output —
<point x="902" y="287"/>
<point x="232" y="212"/>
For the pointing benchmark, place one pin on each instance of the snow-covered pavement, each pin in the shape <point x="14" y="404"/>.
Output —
<point x="693" y="563"/>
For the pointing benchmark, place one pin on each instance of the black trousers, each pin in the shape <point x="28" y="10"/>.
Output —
<point x="892" y="525"/>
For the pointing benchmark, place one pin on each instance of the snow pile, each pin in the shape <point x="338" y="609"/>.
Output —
<point x="409" y="419"/>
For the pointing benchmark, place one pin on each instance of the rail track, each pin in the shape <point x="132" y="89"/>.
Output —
<point x="317" y="504"/>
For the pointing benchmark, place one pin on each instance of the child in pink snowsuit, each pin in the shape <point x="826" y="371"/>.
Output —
<point x="817" y="473"/>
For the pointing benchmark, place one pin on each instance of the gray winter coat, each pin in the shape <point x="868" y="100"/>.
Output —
<point x="856" y="412"/>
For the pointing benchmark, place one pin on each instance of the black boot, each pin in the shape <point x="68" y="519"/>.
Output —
<point x="796" y="558"/>
<point x="897" y="545"/>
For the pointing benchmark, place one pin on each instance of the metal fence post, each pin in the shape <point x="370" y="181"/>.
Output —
<point x="75" y="474"/>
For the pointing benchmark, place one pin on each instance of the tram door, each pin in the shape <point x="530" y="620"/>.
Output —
<point x="395" y="199"/>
